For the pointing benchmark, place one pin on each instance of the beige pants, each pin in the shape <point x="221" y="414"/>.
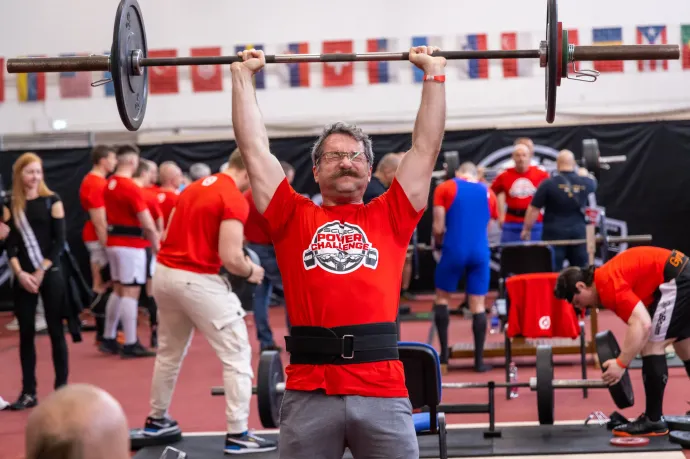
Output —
<point x="186" y="301"/>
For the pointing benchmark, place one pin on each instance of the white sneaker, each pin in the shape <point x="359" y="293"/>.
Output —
<point x="40" y="323"/>
<point x="13" y="326"/>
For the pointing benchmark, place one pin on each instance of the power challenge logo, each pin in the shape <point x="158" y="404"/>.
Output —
<point x="340" y="248"/>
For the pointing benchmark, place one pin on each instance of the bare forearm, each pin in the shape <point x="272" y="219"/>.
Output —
<point x="265" y="172"/>
<point x="430" y="124"/>
<point x="635" y="338"/>
<point x="16" y="267"/>
<point x="530" y="218"/>
<point x="237" y="264"/>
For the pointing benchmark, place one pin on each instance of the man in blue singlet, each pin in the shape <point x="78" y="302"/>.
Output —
<point x="463" y="208"/>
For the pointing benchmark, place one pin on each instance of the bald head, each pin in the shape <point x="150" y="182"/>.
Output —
<point x="467" y="170"/>
<point x="565" y="161"/>
<point x="386" y="168"/>
<point x="170" y="175"/>
<point x="78" y="421"/>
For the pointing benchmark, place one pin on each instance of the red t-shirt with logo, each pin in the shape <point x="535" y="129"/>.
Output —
<point x="256" y="229"/>
<point x="632" y="276"/>
<point x="342" y="265"/>
<point x="519" y="189"/>
<point x="166" y="201"/>
<point x="191" y="239"/>
<point x="91" y="197"/>
<point x="124" y="199"/>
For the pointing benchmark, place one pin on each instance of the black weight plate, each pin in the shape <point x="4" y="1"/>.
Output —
<point x="590" y="156"/>
<point x="137" y="439"/>
<point x="681" y="438"/>
<point x="269" y="374"/>
<point x="452" y="163"/>
<point x="551" y="58"/>
<point x="545" y="391"/>
<point x="681" y="423"/>
<point x="607" y="349"/>
<point x="131" y="91"/>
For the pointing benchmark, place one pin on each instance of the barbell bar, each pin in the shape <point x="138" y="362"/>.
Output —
<point x="128" y="61"/>
<point x="271" y="387"/>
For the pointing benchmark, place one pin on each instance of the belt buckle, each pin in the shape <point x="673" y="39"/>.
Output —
<point x="342" y="348"/>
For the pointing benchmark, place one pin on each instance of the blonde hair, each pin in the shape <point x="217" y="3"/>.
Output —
<point x="18" y="193"/>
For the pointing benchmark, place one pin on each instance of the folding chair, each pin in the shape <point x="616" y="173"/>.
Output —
<point x="423" y="379"/>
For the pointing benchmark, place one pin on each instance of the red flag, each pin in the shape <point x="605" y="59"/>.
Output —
<point x="338" y="73"/>
<point x="2" y="79"/>
<point x="163" y="80"/>
<point x="513" y="68"/>
<point x="206" y="77"/>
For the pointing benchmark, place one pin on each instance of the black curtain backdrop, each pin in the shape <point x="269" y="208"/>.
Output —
<point x="649" y="192"/>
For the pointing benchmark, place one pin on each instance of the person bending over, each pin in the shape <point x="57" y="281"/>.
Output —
<point x="516" y="186"/>
<point x="206" y="232"/>
<point x="563" y="198"/>
<point x="463" y="208"/>
<point x="649" y="289"/>
<point x="34" y="247"/>
<point x="143" y="177"/>
<point x="79" y="421"/>
<point x="342" y="266"/>
<point x="130" y="230"/>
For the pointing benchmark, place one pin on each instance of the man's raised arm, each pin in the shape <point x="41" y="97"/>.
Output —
<point x="264" y="169"/>
<point x="414" y="172"/>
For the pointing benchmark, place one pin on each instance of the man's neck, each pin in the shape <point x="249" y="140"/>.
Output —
<point x="123" y="173"/>
<point x="97" y="170"/>
<point x="167" y="187"/>
<point x="381" y="179"/>
<point x="139" y="182"/>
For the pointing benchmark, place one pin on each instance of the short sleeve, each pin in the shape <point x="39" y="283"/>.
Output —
<point x="539" y="198"/>
<point x="402" y="215"/>
<point x="497" y="184"/>
<point x="625" y="302"/>
<point x="138" y="201"/>
<point x="154" y="207"/>
<point x="493" y="204"/>
<point x="444" y="194"/>
<point x="235" y="206"/>
<point x="95" y="198"/>
<point x="282" y="207"/>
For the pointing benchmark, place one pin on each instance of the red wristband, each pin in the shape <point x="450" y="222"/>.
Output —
<point x="619" y="363"/>
<point x="438" y="78"/>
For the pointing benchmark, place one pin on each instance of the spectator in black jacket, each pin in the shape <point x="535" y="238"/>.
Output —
<point x="34" y="247"/>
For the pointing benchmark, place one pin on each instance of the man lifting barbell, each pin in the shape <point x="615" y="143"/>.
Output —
<point x="342" y="266"/>
<point x="649" y="288"/>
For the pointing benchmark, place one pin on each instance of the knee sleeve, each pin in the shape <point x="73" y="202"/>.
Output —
<point x="687" y="367"/>
<point x="153" y="310"/>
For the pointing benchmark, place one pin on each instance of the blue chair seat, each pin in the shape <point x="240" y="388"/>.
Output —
<point x="422" y="422"/>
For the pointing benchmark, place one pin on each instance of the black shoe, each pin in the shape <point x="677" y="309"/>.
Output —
<point x="248" y="443"/>
<point x="642" y="427"/>
<point x="482" y="368"/>
<point x="154" y="339"/>
<point x="132" y="351"/>
<point x="164" y="426"/>
<point x="25" y="401"/>
<point x="109" y="346"/>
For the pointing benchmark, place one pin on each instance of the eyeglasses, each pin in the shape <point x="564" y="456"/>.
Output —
<point x="337" y="156"/>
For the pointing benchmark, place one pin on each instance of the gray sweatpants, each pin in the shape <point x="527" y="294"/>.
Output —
<point x="318" y="426"/>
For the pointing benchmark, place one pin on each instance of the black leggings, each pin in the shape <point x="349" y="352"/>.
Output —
<point x="52" y="292"/>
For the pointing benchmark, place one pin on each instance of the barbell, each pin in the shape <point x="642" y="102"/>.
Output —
<point x="128" y="61"/>
<point x="271" y="386"/>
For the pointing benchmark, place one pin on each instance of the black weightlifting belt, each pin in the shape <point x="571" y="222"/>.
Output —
<point x="675" y="265"/>
<point x="343" y="345"/>
<point x="122" y="230"/>
<point x="516" y="212"/>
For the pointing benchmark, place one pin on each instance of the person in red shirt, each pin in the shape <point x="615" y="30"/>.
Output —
<point x="171" y="178"/>
<point x="130" y="230"/>
<point x="205" y="233"/>
<point x="95" y="232"/>
<point x="258" y="239"/>
<point x="463" y="209"/>
<point x="143" y="177"/>
<point x="516" y="186"/>
<point x="649" y="289"/>
<point x="342" y="266"/>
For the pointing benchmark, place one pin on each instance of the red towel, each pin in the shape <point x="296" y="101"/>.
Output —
<point x="534" y="310"/>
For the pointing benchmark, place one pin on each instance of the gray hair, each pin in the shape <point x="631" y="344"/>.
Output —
<point x="199" y="171"/>
<point x="468" y="168"/>
<point x="341" y="127"/>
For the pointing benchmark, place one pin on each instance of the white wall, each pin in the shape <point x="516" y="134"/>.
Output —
<point x="33" y="27"/>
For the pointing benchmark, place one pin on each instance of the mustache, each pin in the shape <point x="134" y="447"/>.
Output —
<point x="346" y="173"/>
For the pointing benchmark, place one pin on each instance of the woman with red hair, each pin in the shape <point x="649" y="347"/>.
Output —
<point x="34" y="247"/>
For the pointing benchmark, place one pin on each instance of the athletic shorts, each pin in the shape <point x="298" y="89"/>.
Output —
<point x="150" y="263"/>
<point x="127" y="265"/>
<point x="97" y="254"/>
<point x="475" y="266"/>
<point x="671" y="312"/>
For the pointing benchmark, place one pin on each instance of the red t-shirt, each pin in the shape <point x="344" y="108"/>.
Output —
<point x="445" y="193"/>
<point x="167" y="200"/>
<point x="124" y="199"/>
<point x="632" y="276"/>
<point x="519" y="189"/>
<point x="191" y="242"/>
<point x="342" y="265"/>
<point x="256" y="229"/>
<point x="151" y="198"/>
<point x="91" y="197"/>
